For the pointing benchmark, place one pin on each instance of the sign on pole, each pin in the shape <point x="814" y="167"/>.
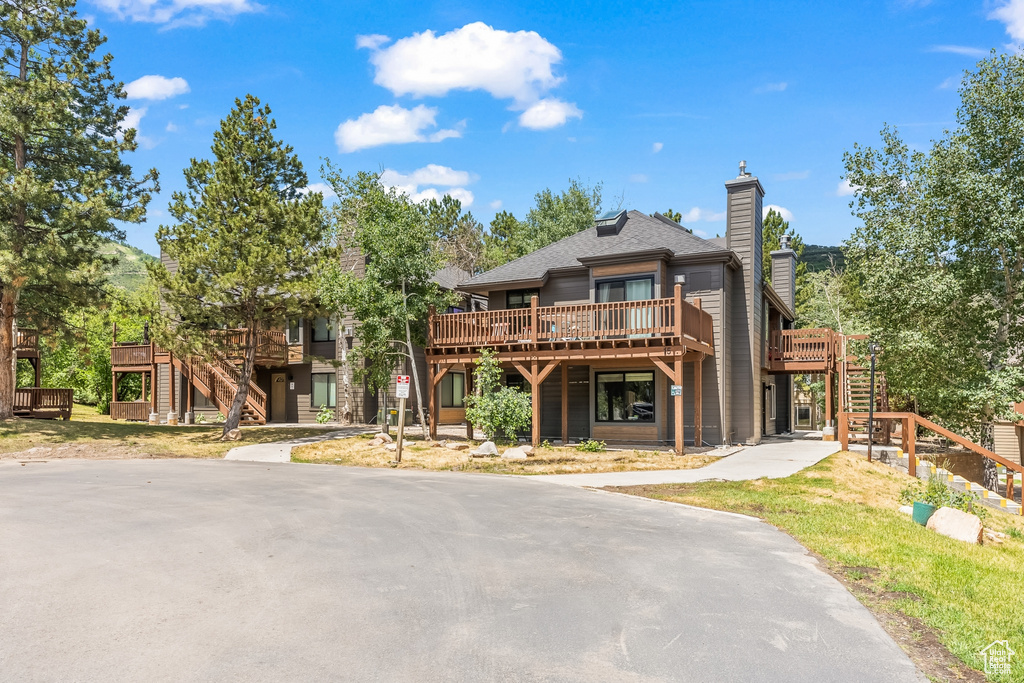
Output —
<point x="402" y="386"/>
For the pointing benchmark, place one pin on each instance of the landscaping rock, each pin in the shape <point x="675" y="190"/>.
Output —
<point x="527" y="449"/>
<point x="961" y="526"/>
<point x="233" y="435"/>
<point x="907" y="509"/>
<point x="384" y="437"/>
<point x="439" y="444"/>
<point x="377" y="442"/>
<point x="514" y="454"/>
<point x="458" y="446"/>
<point x="391" y="447"/>
<point x="486" y="448"/>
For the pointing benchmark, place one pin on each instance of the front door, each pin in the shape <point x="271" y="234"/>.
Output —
<point x="278" y="409"/>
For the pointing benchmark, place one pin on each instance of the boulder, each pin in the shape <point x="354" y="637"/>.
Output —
<point x="376" y="442"/>
<point x="486" y="448"/>
<point x="514" y="454"/>
<point x="956" y="524"/>
<point x="391" y="447"/>
<point x="526" y="449"/>
<point x="384" y="437"/>
<point x="439" y="444"/>
<point x="458" y="446"/>
<point x="233" y="435"/>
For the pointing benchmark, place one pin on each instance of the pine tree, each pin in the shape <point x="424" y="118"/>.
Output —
<point x="774" y="227"/>
<point x="63" y="181"/>
<point x="246" y="243"/>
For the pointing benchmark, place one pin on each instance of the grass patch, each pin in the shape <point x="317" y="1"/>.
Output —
<point x="845" y="510"/>
<point x="91" y="435"/>
<point x="422" y="455"/>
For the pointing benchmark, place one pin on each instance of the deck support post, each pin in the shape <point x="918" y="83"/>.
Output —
<point x="535" y="391"/>
<point x="565" y="403"/>
<point x="170" y="383"/>
<point x="468" y="389"/>
<point x="677" y="405"/>
<point x="829" y="410"/>
<point x="844" y="431"/>
<point x="431" y="401"/>
<point x="113" y="387"/>
<point x="142" y="396"/>
<point x="698" y="403"/>
<point x="911" y="450"/>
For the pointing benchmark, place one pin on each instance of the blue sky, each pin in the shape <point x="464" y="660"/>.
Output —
<point x="495" y="101"/>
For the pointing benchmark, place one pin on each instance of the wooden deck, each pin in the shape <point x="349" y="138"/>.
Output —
<point x="28" y="344"/>
<point x="811" y="351"/>
<point x="39" y="403"/>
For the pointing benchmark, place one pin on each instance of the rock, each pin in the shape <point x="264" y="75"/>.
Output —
<point x="377" y="442"/>
<point x="439" y="444"/>
<point x="513" y="454"/>
<point x="961" y="526"/>
<point x="527" y="449"/>
<point x="391" y="447"/>
<point x="458" y="446"/>
<point x="384" y="437"/>
<point x="486" y="448"/>
<point x="907" y="509"/>
<point x="233" y="435"/>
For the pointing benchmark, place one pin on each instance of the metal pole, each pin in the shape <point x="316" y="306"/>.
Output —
<point x="871" y="401"/>
<point x="401" y="429"/>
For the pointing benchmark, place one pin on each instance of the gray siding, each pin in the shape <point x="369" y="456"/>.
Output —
<point x="566" y="290"/>
<point x="1009" y="441"/>
<point x="579" y="404"/>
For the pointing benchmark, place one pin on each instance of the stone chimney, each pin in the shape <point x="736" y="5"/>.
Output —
<point x="746" y="318"/>
<point x="784" y="273"/>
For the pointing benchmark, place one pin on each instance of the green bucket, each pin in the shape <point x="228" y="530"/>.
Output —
<point x="922" y="512"/>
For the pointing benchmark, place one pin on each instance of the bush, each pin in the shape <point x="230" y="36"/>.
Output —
<point x="590" y="446"/>
<point x="493" y="408"/>
<point x="936" y="493"/>
<point x="324" y="415"/>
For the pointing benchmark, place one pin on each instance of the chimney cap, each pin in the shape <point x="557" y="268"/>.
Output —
<point x="743" y="169"/>
<point x="784" y="242"/>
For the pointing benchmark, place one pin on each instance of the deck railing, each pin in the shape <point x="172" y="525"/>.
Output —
<point x="125" y="355"/>
<point x="619" y="320"/>
<point x="270" y="344"/>
<point x="28" y="340"/>
<point x="37" y="402"/>
<point x="130" y="410"/>
<point x="808" y="345"/>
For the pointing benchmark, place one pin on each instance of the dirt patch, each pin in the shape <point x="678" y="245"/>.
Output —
<point x="919" y="642"/>
<point x="83" y="451"/>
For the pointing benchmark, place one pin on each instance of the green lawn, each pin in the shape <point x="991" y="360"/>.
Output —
<point x="98" y="433"/>
<point x="845" y="509"/>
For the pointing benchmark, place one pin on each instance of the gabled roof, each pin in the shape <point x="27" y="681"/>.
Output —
<point x="640" y="234"/>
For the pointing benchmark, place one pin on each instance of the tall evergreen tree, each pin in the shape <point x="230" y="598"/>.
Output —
<point x="62" y="181"/>
<point x="774" y="227"/>
<point x="247" y="243"/>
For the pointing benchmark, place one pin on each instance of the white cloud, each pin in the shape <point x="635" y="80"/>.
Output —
<point x="638" y="178"/>
<point x="388" y="125"/>
<point x="1011" y="13"/>
<point x="698" y="214"/>
<point x="656" y="147"/>
<point x="950" y="82"/>
<point x="171" y="128"/>
<point x="177" y="12"/>
<point x="371" y="42"/>
<point x="792" y="175"/>
<point x="323" y="188"/>
<point x="133" y="118"/>
<point x="431" y="177"/>
<point x="496" y="204"/>
<point x="156" y="88"/>
<point x="771" y="87"/>
<point x="845" y="189"/>
<point x="786" y="214"/>
<point x="964" y="50"/>
<point x="548" y="113"/>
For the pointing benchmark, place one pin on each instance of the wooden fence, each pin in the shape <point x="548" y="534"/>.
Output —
<point x="43" y="403"/>
<point x="137" y="411"/>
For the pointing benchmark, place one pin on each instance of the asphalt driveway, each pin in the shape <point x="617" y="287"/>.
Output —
<point x="235" y="571"/>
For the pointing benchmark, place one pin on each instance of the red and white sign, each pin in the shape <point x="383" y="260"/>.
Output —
<point x="402" y="386"/>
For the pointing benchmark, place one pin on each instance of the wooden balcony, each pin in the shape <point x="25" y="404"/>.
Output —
<point x="803" y="351"/>
<point x="27" y="344"/>
<point x="272" y="350"/>
<point x="129" y="357"/>
<point x="649" y="328"/>
<point x="43" y="403"/>
<point x="137" y="411"/>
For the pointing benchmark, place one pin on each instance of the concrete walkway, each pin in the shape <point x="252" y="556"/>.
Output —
<point x="773" y="459"/>
<point x="281" y="451"/>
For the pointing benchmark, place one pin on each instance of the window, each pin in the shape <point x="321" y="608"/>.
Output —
<point x="456" y="309"/>
<point x="624" y="397"/>
<point x="514" y="380"/>
<point x="803" y="416"/>
<point x="453" y="390"/>
<point x="520" y="298"/>
<point x="293" y="330"/>
<point x="769" y="401"/>
<point x="633" y="289"/>
<point x="325" y="390"/>
<point x="323" y="330"/>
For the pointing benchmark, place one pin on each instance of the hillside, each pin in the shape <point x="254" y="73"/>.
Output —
<point x="817" y="257"/>
<point x="130" y="272"/>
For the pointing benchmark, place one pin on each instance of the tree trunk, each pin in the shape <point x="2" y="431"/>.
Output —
<point x="415" y="372"/>
<point x="8" y="350"/>
<point x="347" y="411"/>
<point x="248" y="363"/>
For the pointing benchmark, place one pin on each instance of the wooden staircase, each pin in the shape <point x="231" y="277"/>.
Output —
<point x="218" y="382"/>
<point x="856" y="398"/>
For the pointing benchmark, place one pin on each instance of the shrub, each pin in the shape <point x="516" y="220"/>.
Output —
<point x="936" y="493"/>
<point x="493" y="408"/>
<point x="590" y="446"/>
<point x="324" y="415"/>
<point x="220" y="418"/>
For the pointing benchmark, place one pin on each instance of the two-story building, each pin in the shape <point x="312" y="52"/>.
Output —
<point x="633" y="331"/>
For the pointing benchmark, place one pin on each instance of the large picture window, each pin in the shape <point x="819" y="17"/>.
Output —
<point x="624" y="397"/>
<point x="630" y="289"/>
<point x="324" y="330"/>
<point x="325" y="390"/>
<point x="520" y="298"/>
<point x="453" y="390"/>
